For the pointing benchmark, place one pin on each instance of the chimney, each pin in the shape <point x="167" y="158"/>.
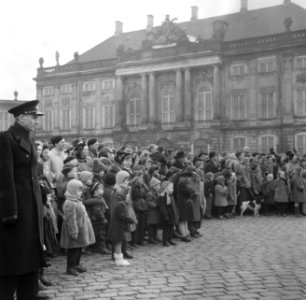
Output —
<point x="119" y="26"/>
<point x="286" y="2"/>
<point x="194" y="13"/>
<point x="244" y="5"/>
<point x="150" y="20"/>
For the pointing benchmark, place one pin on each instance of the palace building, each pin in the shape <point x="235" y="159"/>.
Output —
<point x="218" y="83"/>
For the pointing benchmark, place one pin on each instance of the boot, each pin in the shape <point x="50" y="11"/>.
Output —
<point x="119" y="261"/>
<point x="101" y="248"/>
<point x="125" y="252"/>
<point x="43" y="279"/>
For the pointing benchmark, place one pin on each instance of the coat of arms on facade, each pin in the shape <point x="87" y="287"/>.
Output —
<point x="168" y="34"/>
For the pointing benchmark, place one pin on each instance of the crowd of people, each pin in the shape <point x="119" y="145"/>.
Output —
<point x="101" y="200"/>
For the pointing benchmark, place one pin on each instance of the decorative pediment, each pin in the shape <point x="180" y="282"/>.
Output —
<point x="204" y="75"/>
<point x="167" y="35"/>
<point x="132" y="88"/>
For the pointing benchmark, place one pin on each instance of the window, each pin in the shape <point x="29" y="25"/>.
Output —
<point x="89" y="86"/>
<point x="266" y="66"/>
<point x="266" y="142"/>
<point x="168" y="105"/>
<point x="48" y="121"/>
<point x="66" y="88"/>
<point x="300" y="143"/>
<point x="47" y="91"/>
<point x="238" y="143"/>
<point x="204" y="104"/>
<point x="238" y="69"/>
<point x="108" y="116"/>
<point x="65" y="119"/>
<point x="108" y="84"/>
<point x="134" y="110"/>
<point x="267" y="104"/>
<point x="4" y="120"/>
<point x="238" y="107"/>
<point x="300" y="62"/>
<point x="300" y="102"/>
<point x="89" y="121"/>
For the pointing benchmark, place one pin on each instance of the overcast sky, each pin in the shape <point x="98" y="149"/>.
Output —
<point x="38" y="28"/>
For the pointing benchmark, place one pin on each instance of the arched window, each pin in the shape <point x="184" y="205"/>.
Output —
<point x="134" y="109"/>
<point x="266" y="142"/>
<point x="204" y="107"/>
<point x="168" y="105"/>
<point x="300" y="143"/>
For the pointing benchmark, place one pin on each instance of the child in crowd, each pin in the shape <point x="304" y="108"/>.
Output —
<point x="153" y="214"/>
<point x="209" y="194"/>
<point x="282" y="192"/>
<point x="168" y="212"/>
<point x="120" y="218"/>
<point x="221" y="194"/>
<point x="77" y="230"/>
<point x="268" y="194"/>
<point x="231" y="184"/>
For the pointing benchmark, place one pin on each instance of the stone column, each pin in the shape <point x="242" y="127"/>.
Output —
<point x="152" y="102"/>
<point x="187" y="96"/>
<point x="120" y="103"/>
<point x="217" y="105"/>
<point x="179" y="99"/>
<point x="144" y="99"/>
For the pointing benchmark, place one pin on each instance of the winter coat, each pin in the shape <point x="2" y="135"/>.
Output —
<point x="211" y="167"/>
<point x="21" y="243"/>
<point x="282" y="191"/>
<point x="120" y="218"/>
<point x="268" y="192"/>
<point x="232" y="192"/>
<point x="76" y="223"/>
<point x="197" y="201"/>
<point x="298" y="194"/>
<point x="153" y="214"/>
<point x="168" y="211"/>
<point x="221" y="194"/>
<point x="185" y="195"/>
<point x="138" y="196"/>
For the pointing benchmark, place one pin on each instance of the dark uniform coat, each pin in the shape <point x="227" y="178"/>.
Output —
<point x="21" y="243"/>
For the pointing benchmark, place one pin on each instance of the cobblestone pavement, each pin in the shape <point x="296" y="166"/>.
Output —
<point x="242" y="258"/>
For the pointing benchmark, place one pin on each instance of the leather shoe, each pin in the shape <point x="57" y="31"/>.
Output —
<point x="45" y="282"/>
<point x="166" y="244"/>
<point x="72" y="271"/>
<point x="172" y="243"/>
<point x="80" y="269"/>
<point x="127" y="255"/>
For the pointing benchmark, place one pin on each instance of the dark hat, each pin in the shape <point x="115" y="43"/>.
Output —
<point x="67" y="168"/>
<point x="212" y="154"/>
<point x="27" y="108"/>
<point x="78" y="142"/>
<point x="91" y="142"/>
<point x="180" y="154"/>
<point x="97" y="166"/>
<point x="109" y="178"/>
<point x="55" y="139"/>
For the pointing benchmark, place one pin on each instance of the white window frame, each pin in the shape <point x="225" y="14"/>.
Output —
<point x="269" y="114"/>
<point x="297" y="147"/>
<point x="89" y="86"/>
<point x="238" y="69"/>
<point x="300" y="62"/>
<point x="103" y="113"/>
<point x="66" y="88"/>
<point x="260" y="142"/>
<point x="48" y="90"/>
<point x="108" y="84"/>
<point x="239" y="137"/>
<point x="204" y="98"/>
<point x="90" y="122"/>
<point x="46" y="119"/>
<point x="238" y="115"/>
<point x="168" y="114"/>
<point x="135" y="118"/>
<point x="300" y="111"/>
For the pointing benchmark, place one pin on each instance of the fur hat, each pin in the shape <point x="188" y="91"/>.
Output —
<point x="121" y="176"/>
<point x="109" y="178"/>
<point x="84" y="176"/>
<point x="56" y="139"/>
<point x="97" y="166"/>
<point x="73" y="186"/>
<point x="67" y="168"/>
<point x="154" y="181"/>
<point x="91" y="142"/>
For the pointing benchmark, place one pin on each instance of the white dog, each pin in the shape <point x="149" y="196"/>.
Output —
<point x="248" y="206"/>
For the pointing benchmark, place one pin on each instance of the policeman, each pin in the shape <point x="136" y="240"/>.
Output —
<point x="21" y="219"/>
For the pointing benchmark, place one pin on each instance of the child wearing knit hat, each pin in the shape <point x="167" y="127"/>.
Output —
<point x="168" y="212"/>
<point x="77" y="230"/>
<point x="120" y="218"/>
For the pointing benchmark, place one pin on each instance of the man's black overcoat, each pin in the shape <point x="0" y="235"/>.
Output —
<point x="21" y="243"/>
